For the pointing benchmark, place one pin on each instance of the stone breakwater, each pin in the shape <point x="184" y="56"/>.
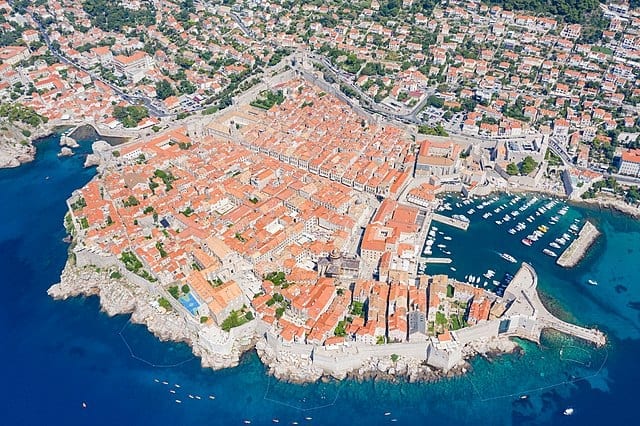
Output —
<point x="119" y="296"/>
<point x="579" y="247"/>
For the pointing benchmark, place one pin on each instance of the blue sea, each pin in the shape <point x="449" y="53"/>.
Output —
<point x="55" y="355"/>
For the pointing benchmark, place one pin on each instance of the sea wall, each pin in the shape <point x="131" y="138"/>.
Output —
<point x="579" y="247"/>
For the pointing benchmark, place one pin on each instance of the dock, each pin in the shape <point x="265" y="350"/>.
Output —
<point x="438" y="260"/>
<point x="529" y="316"/>
<point x="456" y="223"/>
<point x="579" y="247"/>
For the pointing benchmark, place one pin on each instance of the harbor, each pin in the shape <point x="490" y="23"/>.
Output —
<point x="579" y="247"/>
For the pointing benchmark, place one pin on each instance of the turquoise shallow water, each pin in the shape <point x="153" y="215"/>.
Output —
<point x="57" y="354"/>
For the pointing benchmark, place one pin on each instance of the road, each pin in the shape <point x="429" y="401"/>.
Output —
<point x="131" y="99"/>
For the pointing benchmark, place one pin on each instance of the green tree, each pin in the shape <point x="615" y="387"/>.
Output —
<point x="512" y="169"/>
<point x="164" y="89"/>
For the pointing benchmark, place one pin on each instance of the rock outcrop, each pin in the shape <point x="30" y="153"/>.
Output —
<point x="16" y="147"/>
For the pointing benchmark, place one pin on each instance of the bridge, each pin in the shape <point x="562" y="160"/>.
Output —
<point x="525" y="302"/>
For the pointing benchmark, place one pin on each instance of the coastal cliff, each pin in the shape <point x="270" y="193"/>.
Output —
<point x="16" y="143"/>
<point x="120" y="296"/>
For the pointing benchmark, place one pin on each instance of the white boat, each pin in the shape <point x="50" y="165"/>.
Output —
<point x="554" y="245"/>
<point x="84" y="404"/>
<point x="550" y="253"/>
<point x="568" y="411"/>
<point x="178" y="401"/>
<point x="446" y="237"/>
<point x="512" y="231"/>
<point x="592" y="282"/>
<point x="453" y="269"/>
<point x="524" y="396"/>
<point x="212" y="397"/>
<point x="441" y="246"/>
<point x="177" y="385"/>
<point x="172" y="391"/>
<point x="508" y="257"/>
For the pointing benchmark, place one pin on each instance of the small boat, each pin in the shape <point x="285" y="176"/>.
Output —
<point x="387" y="413"/>
<point x="554" y="245"/>
<point x="524" y="396"/>
<point x="165" y="383"/>
<point x="172" y="391"/>
<point x="212" y="397"/>
<point x="84" y="404"/>
<point x="198" y="397"/>
<point x="592" y="282"/>
<point x="190" y="396"/>
<point x="448" y="238"/>
<point x="527" y="242"/>
<point x="453" y="269"/>
<point x="177" y="385"/>
<point x="156" y="380"/>
<point x="508" y="257"/>
<point x="308" y="418"/>
<point x="550" y="253"/>
<point x="46" y="178"/>
<point x="275" y="420"/>
<point x="178" y="401"/>
<point x="568" y="411"/>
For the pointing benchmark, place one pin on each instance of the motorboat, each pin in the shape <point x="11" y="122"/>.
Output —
<point x="592" y="282"/>
<point x="550" y="253"/>
<point x="508" y="257"/>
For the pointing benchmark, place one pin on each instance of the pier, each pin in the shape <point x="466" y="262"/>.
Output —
<point x="529" y="316"/>
<point x="579" y="247"/>
<point x="456" y="223"/>
<point x="438" y="260"/>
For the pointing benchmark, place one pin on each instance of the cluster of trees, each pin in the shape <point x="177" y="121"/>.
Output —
<point x="572" y="11"/>
<point x="373" y="68"/>
<point x="268" y="99"/>
<point x="438" y="130"/>
<point x="131" y="115"/>
<point x="236" y="319"/>
<point x="111" y="16"/>
<point x="18" y="112"/>
<point x="515" y="110"/>
<point x="524" y="168"/>
<point x="164" y="90"/>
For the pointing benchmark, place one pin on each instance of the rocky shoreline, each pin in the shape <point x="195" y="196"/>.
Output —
<point x="118" y="296"/>
<point x="14" y="151"/>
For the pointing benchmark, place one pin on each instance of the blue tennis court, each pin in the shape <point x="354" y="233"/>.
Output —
<point x="190" y="302"/>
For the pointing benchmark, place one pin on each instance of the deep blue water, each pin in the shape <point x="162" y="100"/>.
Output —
<point x="55" y="355"/>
